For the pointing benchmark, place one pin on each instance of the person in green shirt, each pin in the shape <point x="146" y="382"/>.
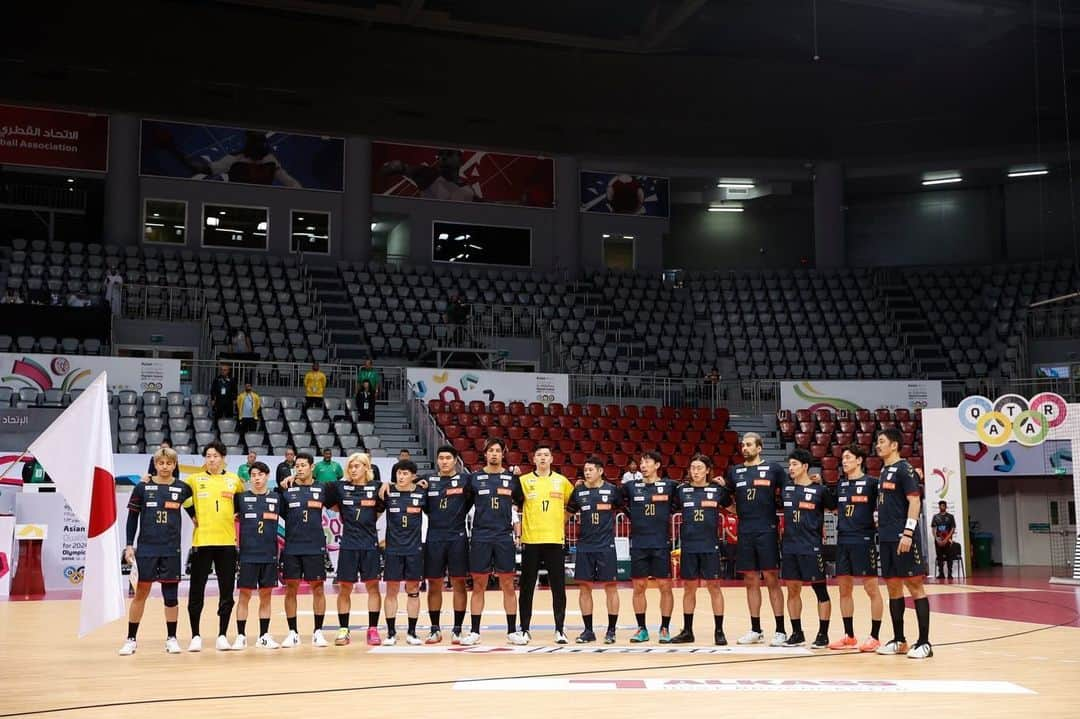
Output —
<point x="327" y="470"/>
<point x="369" y="373"/>
<point x="244" y="472"/>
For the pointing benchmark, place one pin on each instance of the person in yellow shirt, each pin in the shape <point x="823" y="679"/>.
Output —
<point x="248" y="406"/>
<point x="314" y="387"/>
<point x="214" y="540"/>
<point x="543" y="499"/>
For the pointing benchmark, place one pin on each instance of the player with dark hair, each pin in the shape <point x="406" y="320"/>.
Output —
<point x="647" y="502"/>
<point x="404" y="556"/>
<point x="903" y="561"/>
<point x="254" y="164"/>
<point x="856" y="548"/>
<point x="446" y="549"/>
<point x="805" y="500"/>
<point x="595" y="561"/>
<point x="257" y="512"/>
<point x="154" y="512"/>
<point x="700" y="502"/>
<point x="305" y="541"/>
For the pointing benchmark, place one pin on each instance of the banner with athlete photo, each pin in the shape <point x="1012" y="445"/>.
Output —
<point x="460" y="175"/>
<point x="40" y="137"/>
<point x="242" y="155"/>
<point x="67" y="372"/>
<point x="623" y="194"/>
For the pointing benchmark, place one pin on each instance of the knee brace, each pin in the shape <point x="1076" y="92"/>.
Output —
<point x="170" y="593"/>
<point x="412" y="595"/>
<point x="822" y="593"/>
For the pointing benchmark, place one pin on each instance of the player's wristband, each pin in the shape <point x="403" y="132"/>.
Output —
<point x="907" y="533"/>
<point x="910" y="524"/>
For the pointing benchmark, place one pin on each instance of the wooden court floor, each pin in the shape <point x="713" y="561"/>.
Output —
<point x="984" y="666"/>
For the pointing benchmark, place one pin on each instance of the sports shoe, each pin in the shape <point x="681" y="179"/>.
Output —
<point x="641" y="635"/>
<point x="892" y="647"/>
<point x="267" y="642"/>
<point x="412" y="640"/>
<point x="921" y="651"/>
<point x="128" y="649"/>
<point x="683" y="637"/>
<point x="222" y="644"/>
<point x="471" y="639"/>
<point x="665" y="636"/>
<point x="869" y="645"/>
<point x="560" y="637"/>
<point x="821" y="641"/>
<point x="797" y="639"/>
<point x="292" y="639"/>
<point x="779" y="639"/>
<point x="391" y="640"/>
<point x="719" y="639"/>
<point x="172" y="646"/>
<point x="195" y="645"/>
<point x="609" y="636"/>
<point x="518" y="638"/>
<point x="318" y="640"/>
<point x="455" y="637"/>
<point x="585" y="637"/>
<point x="434" y="638"/>
<point x="844" y="642"/>
<point x="751" y="637"/>
<point x="342" y="639"/>
<point x="240" y="644"/>
<point x="373" y="638"/>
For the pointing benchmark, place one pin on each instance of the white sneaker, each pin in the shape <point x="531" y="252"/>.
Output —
<point x="921" y="651"/>
<point x="751" y="637"/>
<point x="560" y="637"/>
<point x="292" y="639"/>
<point x="172" y="646"/>
<point x="128" y="649"/>
<point x="455" y="638"/>
<point x="222" y="644"/>
<point x="470" y="640"/>
<point x="413" y="640"/>
<point x="196" y="644"/>
<point x="267" y="642"/>
<point x="240" y="644"/>
<point x="318" y="640"/>
<point x="391" y="640"/>
<point x="779" y="639"/>
<point x="892" y="648"/>
<point x="518" y="638"/>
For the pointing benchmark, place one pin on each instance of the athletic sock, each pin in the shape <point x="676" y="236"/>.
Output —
<point x="435" y="616"/>
<point x="319" y="621"/>
<point x="640" y="620"/>
<point x="823" y="626"/>
<point x="612" y="620"/>
<point x="194" y="627"/>
<point x="511" y="624"/>
<point x="133" y="629"/>
<point x="718" y="622"/>
<point x="587" y="618"/>
<point x="241" y="625"/>
<point x="343" y="619"/>
<point x="459" y="619"/>
<point x="372" y="619"/>
<point x="264" y="625"/>
<point x="896" y="613"/>
<point x="475" y="623"/>
<point x="849" y="626"/>
<point x="780" y="623"/>
<point x="412" y="625"/>
<point x="223" y="626"/>
<point x="292" y="623"/>
<point x="755" y="624"/>
<point x="688" y="623"/>
<point x="875" y="628"/>
<point x="170" y="630"/>
<point x="922" y="612"/>
<point x="665" y="622"/>
<point x="391" y="630"/>
<point x="796" y="626"/>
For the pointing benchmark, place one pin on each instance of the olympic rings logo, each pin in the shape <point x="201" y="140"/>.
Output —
<point x="74" y="574"/>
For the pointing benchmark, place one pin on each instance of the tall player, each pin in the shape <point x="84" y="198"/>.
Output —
<point x="648" y="504"/>
<point x="700" y="501"/>
<point x="491" y="491"/>
<point x="404" y="556"/>
<point x="257" y="512"/>
<point x="903" y="560"/>
<point x="805" y="501"/>
<point x="154" y="511"/>
<point x="304" y="544"/>
<point x="595" y="561"/>
<point x="755" y="485"/>
<point x="856" y="549"/>
<point x="358" y="502"/>
<point x="446" y="551"/>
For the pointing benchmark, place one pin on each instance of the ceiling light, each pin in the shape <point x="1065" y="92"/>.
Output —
<point x="374" y="225"/>
<point x="71" y="179"/>
<point x="735" y="183"/>
<point x="942" y="181"/>
<point x="726" y="208"/>
<point x="1029" y="173"/>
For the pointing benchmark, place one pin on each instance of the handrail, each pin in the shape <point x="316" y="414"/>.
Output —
<point x="162" y="302"/>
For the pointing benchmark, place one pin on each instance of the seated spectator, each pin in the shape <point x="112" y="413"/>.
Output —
<point x="11" y="297"/>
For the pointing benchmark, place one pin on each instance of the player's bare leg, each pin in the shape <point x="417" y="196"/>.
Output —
<point x="611" y="594"/>
<point x="374" y="605"/>
<point x="461" y="603"/>
<point x="506" y="584"/>
<point x="640" y="606"/>
<point x="390" y="606"/>
<point x="667" y="606"/>
<point x="412" y="610"/>
<point x="318" y="606"/>
<point x="585" y="604"/>
<point x="794" y="608"/>
<point x="344" y="609"/>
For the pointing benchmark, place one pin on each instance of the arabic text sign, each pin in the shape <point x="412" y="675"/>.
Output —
<point x="53" y="138"/>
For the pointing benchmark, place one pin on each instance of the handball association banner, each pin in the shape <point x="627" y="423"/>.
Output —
<point x="38" y="137"/>
<point x="68" y="372"/>
<point x="623" y="194"/>
<point x="459" y="175"/>
<point x="242" y="155"/>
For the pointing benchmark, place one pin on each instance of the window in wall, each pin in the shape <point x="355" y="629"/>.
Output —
<point x="235" y="227"/>
<point x="165" y="221"/>
<point x="310" y="232"/>
<point x="481" y="244"/>
<point x="618" y="252"/>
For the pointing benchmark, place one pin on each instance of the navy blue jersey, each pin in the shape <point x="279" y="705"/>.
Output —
<point x="359" y="506"/>
<point x="700" y="507"/>
<point x="302" y="508"/>
<point x="258" y="515"/>
<point x="158" y="509"/>
<point x="492" y="496"/>
<point x="896" y="483"/>
<point x="447" y="506"/>
<point x="598" y="507"/>
<point x="649" y="508"/>
<point x="404" y="519"/>
<point x="856" y="502"/>
<point x="755" y="488"/>
<point x="804" y="517"/>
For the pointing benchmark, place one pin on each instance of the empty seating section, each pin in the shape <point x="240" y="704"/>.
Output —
<point x="574" y="431"/>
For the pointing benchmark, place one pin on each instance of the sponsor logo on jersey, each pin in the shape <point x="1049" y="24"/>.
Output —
<point x="172" y="505"/>
<point x="888" y="485"/>
<point x="762" y="483"/>
<point x="807" y="505"/>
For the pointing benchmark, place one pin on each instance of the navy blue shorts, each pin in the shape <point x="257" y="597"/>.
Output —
<point x="447" y="558"/>
<point x="759" y="552"/>
<point x="158" y="569"/>
<point x="403" y="567"/>
<point x="808" y="568"/>
<point x="309" y="567"/>
<point x="362" y="564"/>
<point x="699" y="565"/>
<point x="645" y="563"/>
<point x="596" y="566"/>
<point x="856" y="560"/>
<point x="485" y="557"/>
<point x="257" y="575"/>
<point x="909" y="564"/>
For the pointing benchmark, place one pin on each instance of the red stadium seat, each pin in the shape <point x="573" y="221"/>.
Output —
<point x="883" y="415"/>
<point x="477" y="407"/>
<point x="574" y="410"/>
<point x="435" y="406"/>
<point x="588" y="446"/>
<point x="844" y="438"/>
<point x="566" y="421"/>
<point x="722" y="416"/>
<point x="465" y="419"/>
<point x="649" y="412"/>
<point x="783" y="415"/>
<point x="787" y="430"/>
<point x="846" y="425"/>
<point x="828" y="426"/>
<point x="515" y="433"/>
<point x="604" y="422"/>
<point x="613" y="475"/>
<point x="556" y="409"/>
<point x="916" y="461"/>
<point x="525" y="420"/>
<point x="823" y="415"/>
<point x="478" y="444"/>
<point x="612" y="410"/>
<point x="803" y="440"/>
<point x="526" y="468"/>
<point x="545" y="421"/>
<point x="692" y="437"/>
<point x="838" y="450"/>
<point x="514" y="457"/>
<point x="497" y="407"/>
<point x="629" y="447"/>
<point x="470" y="458"/>
<point x="453" y="431"/>
<point x="505" y="420"/>
<point x="804" y="415"/>
<point x="536" y="409"/>
<point x="566" y="445"/>
<point x="635" y="435"/>
<point x="577" y="434"/>
<point x="676" y="473"/>
<point x="667" y="448"/>
<point x="517" y="408"/>
<point x="830" y="476"/>
<point x="556" y="433"/>
<point x="536" y="433"/>
<point x="526" y="446"/>
<point x="864" y="439"/>
<point x="487" y="420"/>
<point x="667" y="412"/>
<point x="822" y="438"/>
<point x="608" y="448"/>
<point x="630" y="411"/>
<point x="596" y="435"/>
<point x="444" y="419"/>
<point x="578" y="458"/>
<point x="818" y="450"/>
<point x="461" y="444"/>
<point x="863" y="415"/>
<point x="829" y="462"/>
<point x="594" y="410"/>
<point x="867" y="426"/>
<point x="873" y="465"/>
